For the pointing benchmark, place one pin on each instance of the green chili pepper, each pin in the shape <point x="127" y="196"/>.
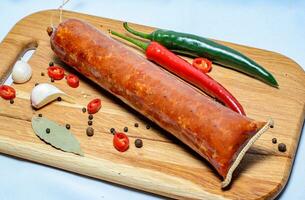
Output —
<point x="196" y="46"/>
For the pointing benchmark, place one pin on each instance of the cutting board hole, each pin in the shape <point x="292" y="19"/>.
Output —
<point x="28" y="52"/>
<point x="25" y="56"/>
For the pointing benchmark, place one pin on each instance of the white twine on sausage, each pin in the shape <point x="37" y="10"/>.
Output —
<point x="241" y="154"/>
<point x="64" y="2"/>
<point x="60" y="8"/>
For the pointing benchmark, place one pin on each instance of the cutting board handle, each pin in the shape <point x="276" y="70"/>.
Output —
<point x="11" y="49"/>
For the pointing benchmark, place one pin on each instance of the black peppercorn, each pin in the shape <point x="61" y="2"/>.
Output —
<point x="90" y="123"/>
<point x="90" y="131"/>
<point x="84" y="110"/>
<point x="58" y="98"/>
<point x="90" y="117"/>
<point x="147" y="126"/>
<point x="282" y="147"/>
<point x="51" y="64"/>
<point x="36" y="84"/>
<point x="274" y="140"/>
<point x="125" y="129"/>
<point x="12" y="101"/>
<point x="112" y="130"/>
<point x="138" y="143"/>
<point x="42" y="74"/>
<point x="136" y="125"/>
<point x="39" y="115"/>
<point x="68" y="126"/>
<point x="48" y="130"/>
<point x="271" y="126"/>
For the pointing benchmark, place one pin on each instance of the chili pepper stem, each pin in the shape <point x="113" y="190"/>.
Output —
<point x="137" y="33"/>
<point x="140" y="44"/>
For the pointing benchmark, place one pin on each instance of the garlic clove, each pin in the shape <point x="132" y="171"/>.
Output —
<point x="44" y="93"/>
<point x="22" y="72"/>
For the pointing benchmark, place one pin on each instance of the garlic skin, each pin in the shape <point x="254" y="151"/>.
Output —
<point x="44" y="93"/>
<point x="22" y="72"/>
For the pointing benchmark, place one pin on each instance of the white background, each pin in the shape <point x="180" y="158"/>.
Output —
<point x="273" y="25"/>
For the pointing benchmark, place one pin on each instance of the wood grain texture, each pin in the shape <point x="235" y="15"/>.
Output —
<point x="163" y="166"/>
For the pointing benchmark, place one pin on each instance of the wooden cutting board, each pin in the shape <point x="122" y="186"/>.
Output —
<point x="163" y="165"/>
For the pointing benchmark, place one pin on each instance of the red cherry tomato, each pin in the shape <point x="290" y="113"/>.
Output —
<point x="121" y="142"/>
<point x="202" y="64"/>
<point x="72" y="80"/>
<point x="94" y="106"/>
<point x="7" y="92"/>
<point x="56" y="72"/>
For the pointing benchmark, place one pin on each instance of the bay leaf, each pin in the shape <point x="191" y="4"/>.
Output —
<point x="59" y="137"/>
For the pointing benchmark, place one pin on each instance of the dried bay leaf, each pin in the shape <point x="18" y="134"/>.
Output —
<point x="59" y="137"/>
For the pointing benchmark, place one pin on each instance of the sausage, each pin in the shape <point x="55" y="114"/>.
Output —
<point x="218" y="134"/>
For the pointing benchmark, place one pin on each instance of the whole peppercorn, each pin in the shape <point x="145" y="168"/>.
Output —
<point x="68" y="126"/>
<point x="274" y="140"/>
<point x="282" y="147"/>
<point x="51" y="63"/>
<point x="138" y="143"/>
<point x="136" y="125"/>
<point x="90" y="117"/>
<point x="90" y="131"/>
<point x="48" y="130"/>
<point x="112" y="130"/>
<point x="90" y="123"/>
<point x="125" y="129"/>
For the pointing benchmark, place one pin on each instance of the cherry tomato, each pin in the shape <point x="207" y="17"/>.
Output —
<point x="94" y="106"/>
<point x="202" y="64"/>
<point x="121" y="142"/>
<point x="7" y="92"/>
<point x="56" y="72"/>
<point x="72" y="80"/>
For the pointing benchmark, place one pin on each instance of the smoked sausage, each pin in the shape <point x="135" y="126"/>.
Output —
<point x="218" y="134"/>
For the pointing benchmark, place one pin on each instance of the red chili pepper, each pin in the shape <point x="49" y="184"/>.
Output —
<point x="121" y="142"/>
<point x="162" y="56"/>
<point x="72" y="80"/>
<point x="94" y="106"/>
<point x="202" y="64"/>
<point x="7" y="92"/>
<point x="56" y="72"/>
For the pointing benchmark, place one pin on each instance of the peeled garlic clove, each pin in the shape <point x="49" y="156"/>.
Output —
<point x="45" y="93"/>
<point x="22" y="72"/>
